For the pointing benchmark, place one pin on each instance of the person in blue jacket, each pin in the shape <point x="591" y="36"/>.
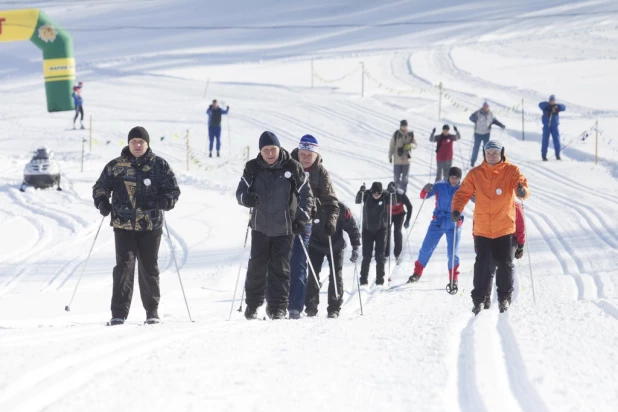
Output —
<point x="78" y="101"/>
<point x="441" y="224"/>
<point x="214" y="113"/>
<point x="551" y="121"/>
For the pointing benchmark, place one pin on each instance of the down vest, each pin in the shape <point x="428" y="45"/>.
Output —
<point x="277" y="186"/>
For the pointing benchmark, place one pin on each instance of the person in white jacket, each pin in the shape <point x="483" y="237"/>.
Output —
<point x="483" y="119"/>
<point x="402" y="144"/>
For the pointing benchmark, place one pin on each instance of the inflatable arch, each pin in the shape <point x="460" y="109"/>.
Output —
<point x="57" y="46"/>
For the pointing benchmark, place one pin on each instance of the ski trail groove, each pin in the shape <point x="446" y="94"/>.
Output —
<point x="468" y="394"/>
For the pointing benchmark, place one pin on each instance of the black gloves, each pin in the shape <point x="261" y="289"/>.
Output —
<point x="329" y="229"/>
<point x="456" y="216"/>
<point x="391" y="187"/>
<point x="519" y="252"/>
<point x="455" y="128"/>
<point x="503" y="127"/>
<point x="363" y="188"/>
<point x="354" y="256"/>
<point x="406" y="224"/>
<point x="228" y="108"/>
<point x="105" y="208"/>
<point x="390" y="160"/>
<point x="428" y="188"/>
<point x="251" y="200"/>
<point x="298" y="227"/>
<point x="521" y="191"/>
<point x="162" y="203"/>
<point x="433" y="131"/>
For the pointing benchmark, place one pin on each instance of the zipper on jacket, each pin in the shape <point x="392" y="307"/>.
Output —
<point x="287" y="230"/>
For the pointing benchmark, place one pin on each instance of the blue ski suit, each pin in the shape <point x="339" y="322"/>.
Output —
<point x="551" y="121"/>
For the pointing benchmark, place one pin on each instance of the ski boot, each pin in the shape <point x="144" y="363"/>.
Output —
<point x="476" y="309"/>
<point x="558" y="157"/>
<point x="452" y="289"/>
<point x="333" y="315"/>
<point x="363" y="281"/>
<point x="503" y="305"/>
<point x="275" y="314"/>
<point x="115" y="321"/>
<point x="251" y="312"/>
<point x="380" y="281"/>
<point x="294" y="314"/>
<point x="414" y="278"/>
<point x="210" y="154"/>
<point x="311" y="312"/>
<point x="152" y="317"/>
<point x="218" y="155"/>
<point x="487" y="303"/>
<point x="82" y="126"/>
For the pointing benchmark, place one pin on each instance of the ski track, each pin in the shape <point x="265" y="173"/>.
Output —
<point x="470" y="398"/>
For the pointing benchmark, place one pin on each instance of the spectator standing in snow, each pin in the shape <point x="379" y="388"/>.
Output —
<point x="214" y="113"/>
<point x="441" y="224"/>
<point x="78" y="101"/>
<point x="275" y="186"/>
<point x="483" y="119"/>
<point x="375" y="225"/>
<point x="496" y="182"/>
<point x="402" y="144"/>
<point x="398" y="215"/>
<point x="322" y="189"/>
<point x="551" y="121"/>
<point x="319" y="248"/>
<point x="142" y="186"/>
<point x="444" y="150"/>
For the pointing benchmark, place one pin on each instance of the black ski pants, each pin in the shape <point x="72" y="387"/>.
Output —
<point x="79" y="110"/>
<point x="369" y="240"/>
<point x="501" y="252"/>
<point x="269" y="271"/>
<point x="396" y="228"/>
<point x="143" y="246"/>
<point x="312" y="299"/>
<point x="492" y="268"/>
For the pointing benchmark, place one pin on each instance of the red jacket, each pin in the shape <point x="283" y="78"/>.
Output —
<point x="444" y="146"/>
<point x="520" y="225"/>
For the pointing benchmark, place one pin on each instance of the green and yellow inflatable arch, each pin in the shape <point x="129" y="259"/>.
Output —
<point x="57" y="46"/>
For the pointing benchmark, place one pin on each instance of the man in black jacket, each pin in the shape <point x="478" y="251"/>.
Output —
<point x="322" y="188"/>
<point x="275" y="186"/>
<point x="398" y="216"/>
<point x="142" y="187"/>
<point x="375" y="224"/>
<point x="319" y="248"/>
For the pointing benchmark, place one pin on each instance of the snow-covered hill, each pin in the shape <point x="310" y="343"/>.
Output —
<point x="159" y="63"/>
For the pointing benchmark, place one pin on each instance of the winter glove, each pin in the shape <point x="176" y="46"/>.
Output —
<point x="390" y="160"/>
<point x="354" y="256"/>
<point x="428" y="188"/>
<point x="407" y="224"/>
<point x="228" y="108"/>
<point x="455" y="128"/>
<point x="251" y="200"/>
<point x="363" y="188"/>
<point x="521" y="191"/>
<point x="105" y="208"/>
<point x="162" y="203"/>
<point x="503" y="127"/>
<point x="456" y="216"/>
<point x="298" y="227"/>
<point x="329" y="229"/>
<point x="391" y="187"/>
<point x="519" y="252"/>
<point x="433" y="131"/>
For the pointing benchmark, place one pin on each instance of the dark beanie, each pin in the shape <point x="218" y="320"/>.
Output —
<point x="269" y="139"/>
<point x="454" y="171"/>
<point x="376" y="188"/>
<point x="139" y="132"/>
<point x="403" y="123"/>
<point x="446" y="127"/>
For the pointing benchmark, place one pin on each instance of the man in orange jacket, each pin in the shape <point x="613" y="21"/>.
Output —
<point x="496" y="182"/>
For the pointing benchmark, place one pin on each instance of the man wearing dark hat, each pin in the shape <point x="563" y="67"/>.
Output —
<point x="444" y="150"/>
<point x="142" y="186"/>
<point x="483" y="119"/>
<point x="441" y="224"/>
<point x="402" y="144"/>
<point x="376" y="205"/>
<point x="551" y="121"/>
<point x="276" y="187"/>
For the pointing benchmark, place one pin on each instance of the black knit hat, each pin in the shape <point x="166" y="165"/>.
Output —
<point x="403" y="123"/>
<point x="269" y="139"/>
<point x="140" y="133"/>
<point x="446" y="127"/>
<point x="376" y="188"/>
<point x="454" y="171"/>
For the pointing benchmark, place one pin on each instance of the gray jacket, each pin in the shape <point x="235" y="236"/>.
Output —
<point x="483" y="121"/>
<point x="284" y="194"/>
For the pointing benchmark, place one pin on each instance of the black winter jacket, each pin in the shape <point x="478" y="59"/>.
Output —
<point x="319" y="239"/>
<point x="375" y="212"/>
<point x="284" y="194"/>
<point x="137" y="187"/>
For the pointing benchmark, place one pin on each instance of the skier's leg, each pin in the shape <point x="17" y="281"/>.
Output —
<point x="76" y="114"/>
<point x="81" y="112"/>
<point x="545" y="142"/>
<point x="334" y="303"/>
<point x="438" y="171"/>
<point x="312" y="297"/>
<point x="481" y="268"/>
<point x="255" y="285"/>
<point x="298" y="271"/>
<point x="218" y="137"/>
<point x="148" y="267"/>
<point x="126" y="252"/>
<point x="503" y="253"/>
<point x="405" y="171"/>
<point x="388" y="247"/>
<point x="211" y="138"/>
<point x="367" y="240"/>
<point x="555" y="134"/>
<point x="453" y="270"/>
<point x="380" y="258"/>
<point x="397" y="175"/>
<point x="475" y="149"/>
<point x="398" y="237"/>
<point x="433" y="236"/>
<point x="279" y="273"/>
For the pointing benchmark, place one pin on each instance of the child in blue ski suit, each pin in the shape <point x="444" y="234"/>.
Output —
<point x="551" y="121"/>
<point x="441" y="225"/>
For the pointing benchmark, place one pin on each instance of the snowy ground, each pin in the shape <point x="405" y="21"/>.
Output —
<point x="415" y="348"/>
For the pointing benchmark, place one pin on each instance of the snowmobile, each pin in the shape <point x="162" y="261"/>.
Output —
<point x="42" y="171"/>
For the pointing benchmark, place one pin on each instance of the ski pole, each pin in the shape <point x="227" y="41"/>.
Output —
<point x="68" y="307"/>
<point x="359" y="289"/>
<point x="178" y="271"/>
<point x="523" y="210"/>
<point x="390" y="223"/>
<point x="332" y="265"/>
<point x="239" y="269"/>
<point x="242" y="295"/>
<point x="360" y="228"/>
<point x="315" y="277"/>
<point x="229" y="135"/>
<point x="450" y="288"/>
<point x="410" y="232"/>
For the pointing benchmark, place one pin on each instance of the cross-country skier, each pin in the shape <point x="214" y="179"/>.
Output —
<point x="214" y="113"/>
<point x="399" y="214"/>
<point x="483" y="119"/>
<point x="441" y="224"/>
<point x="78" y="101"/>
<point x="322" y="189"/>
<point x="142" y="186"/>
<point x="275" y="186"/>
<point x="319" y="248"/>
<point x="402" y="144"/>
<point x="444" y="150"/>
<point x="496" y="182"/>
<point x="551" y="121"/>
<point x="375" y="225"/>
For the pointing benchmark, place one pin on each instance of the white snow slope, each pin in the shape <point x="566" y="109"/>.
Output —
<point x="415" y="348"/>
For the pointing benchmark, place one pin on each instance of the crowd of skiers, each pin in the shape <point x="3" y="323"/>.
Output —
<point x="297" y="221"/>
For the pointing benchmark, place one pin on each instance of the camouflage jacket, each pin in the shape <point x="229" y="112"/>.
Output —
<point x="138" y="187"/>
